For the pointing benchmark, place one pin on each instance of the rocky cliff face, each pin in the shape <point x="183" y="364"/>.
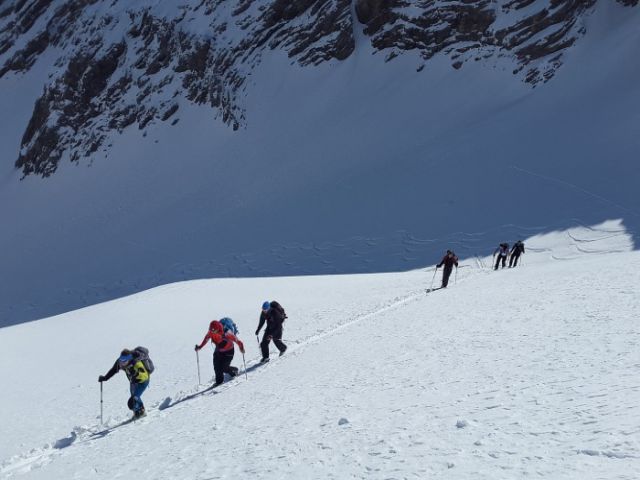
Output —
<point x="121" y="64"/>
<point x="534" y="33"/>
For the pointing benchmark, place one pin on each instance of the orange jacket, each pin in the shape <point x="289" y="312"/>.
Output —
<point x="223" y="342"/>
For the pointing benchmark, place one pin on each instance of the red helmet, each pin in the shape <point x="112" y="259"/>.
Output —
<point x="216" y="326"/>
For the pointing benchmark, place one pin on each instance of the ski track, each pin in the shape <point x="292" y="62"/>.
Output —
<point x="83" y="434"/>
<point x="572" y="186"/>
<point x="40" y="457"/>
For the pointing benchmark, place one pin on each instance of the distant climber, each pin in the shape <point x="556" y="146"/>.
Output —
<point x="449" y="260"/>
<point x="224" y="340"/>
<point x="138" y="367"/>
<point x="274" y="315"/>
<point x="502" y="252"/>
<point x="516" y="251"/>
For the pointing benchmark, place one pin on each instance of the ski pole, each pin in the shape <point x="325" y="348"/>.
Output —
<point x="101" y="403"/>
<point x="245" y="367"/>
<point x="455" y="279"/>
<point x="434" y="277"/>
<point x="198" y="362"/>
<point x="258" y="340"/>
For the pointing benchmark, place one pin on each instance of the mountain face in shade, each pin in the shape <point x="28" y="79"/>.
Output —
<point x="122" y="64"/>
<point x="147" y="142"/>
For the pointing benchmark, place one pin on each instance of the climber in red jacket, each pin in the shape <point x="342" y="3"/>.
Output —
<point x="223" y="354"/>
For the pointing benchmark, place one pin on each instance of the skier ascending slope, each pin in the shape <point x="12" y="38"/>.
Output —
<point x="516" y="251"/>
<point x="449" y="260"/>
<point x="223" y="353"/>
<point x="502" y="251"/>
<point x="138" y="368"/>
<point x="274" y="315"/>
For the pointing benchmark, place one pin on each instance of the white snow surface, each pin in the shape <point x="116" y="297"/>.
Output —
<point x="526" y="372"/>
<point x="358" y="166"/>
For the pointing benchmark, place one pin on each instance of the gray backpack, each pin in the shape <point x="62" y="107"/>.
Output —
<point x="143" y="355"/>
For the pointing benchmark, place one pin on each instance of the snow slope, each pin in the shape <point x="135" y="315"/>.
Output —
<point x="349" y="167"/>
<point x="524" y="372"/>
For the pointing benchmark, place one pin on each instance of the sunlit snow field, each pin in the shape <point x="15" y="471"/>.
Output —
<point x="528" y="372"/>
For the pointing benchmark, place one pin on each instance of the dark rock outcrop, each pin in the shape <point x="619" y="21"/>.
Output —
<point x="153" y="60"/>
<point x="122" y="64"/>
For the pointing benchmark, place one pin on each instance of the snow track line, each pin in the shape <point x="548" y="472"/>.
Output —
<point x="578" y="188"/>
<point x="23" y="463"/>
<point x="599" y="239"/>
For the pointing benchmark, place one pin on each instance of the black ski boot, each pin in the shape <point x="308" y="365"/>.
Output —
<point x="139" y="413"/>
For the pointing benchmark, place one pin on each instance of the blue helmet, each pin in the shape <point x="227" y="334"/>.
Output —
<point x="125" y="360"/>
<point x="266" y="305"/>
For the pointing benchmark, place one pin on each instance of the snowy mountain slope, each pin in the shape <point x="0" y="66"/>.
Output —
<point x="358" y="165"/>
<point x="120" y="64"/>
<point x="531" y="371"/>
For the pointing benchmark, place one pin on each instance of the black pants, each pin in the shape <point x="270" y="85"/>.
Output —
<point x="274" y="334"/>
<point x="504" y="261"/>
<point x="513" y="261"/>
<point x="446" y="273"/>
<point x="222" y="365"/>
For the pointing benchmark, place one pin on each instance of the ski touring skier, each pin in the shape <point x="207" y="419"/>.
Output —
<point x="502" y="252"/>
<point x="516" y="251"/>
<point x="138" y="367"/>
<point x="449" y="260"/>
<point x="224" y="340"/>
<point x="274" y="315"/>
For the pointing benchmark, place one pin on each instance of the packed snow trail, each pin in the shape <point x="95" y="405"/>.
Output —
<point x="84" y="434"/>
<point x="529" y="371"/>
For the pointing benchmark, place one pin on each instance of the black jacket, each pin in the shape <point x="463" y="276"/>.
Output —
<point x="448" y="262"/>
<point x="517" y="249"/>
<point x="274" y="317"/>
